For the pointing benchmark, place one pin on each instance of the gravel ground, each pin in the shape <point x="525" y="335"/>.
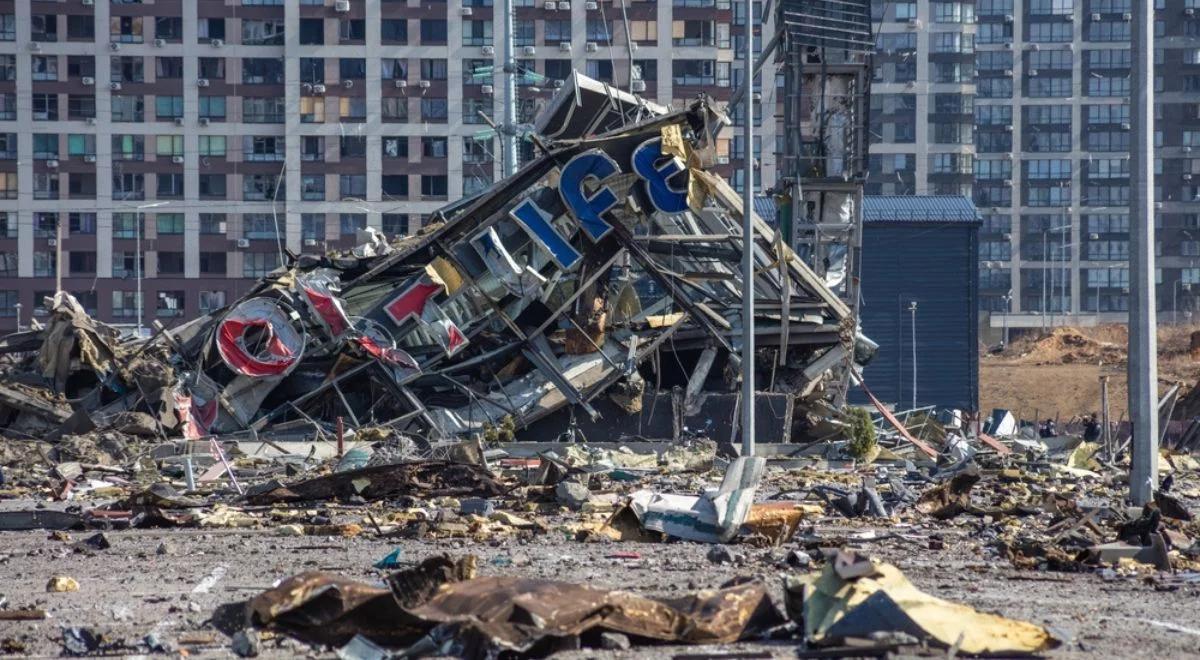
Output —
<point x="130" y="589"/>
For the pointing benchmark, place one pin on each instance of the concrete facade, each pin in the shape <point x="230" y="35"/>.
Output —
<point x="1046" y="159"/>
<point x="189" y="114"/>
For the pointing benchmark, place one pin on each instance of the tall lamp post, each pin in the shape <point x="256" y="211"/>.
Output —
<point x="748" y="242"/>
<point x="137" y="261"/>
<point x="912" y="313"/>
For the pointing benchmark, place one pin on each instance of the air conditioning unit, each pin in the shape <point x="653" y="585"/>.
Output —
<point x="591" y="6"/>
<point x="1008" y="183"/>
<point x="488" y="50"/>
<point x="914" y="24"/>
<point x="465" y="11"/>
<point x="179" y="121"/>
<point x="486" y="89"/>
<point x="564" y="46"/>
<point x="400" y="84"/>
<point x="114" y="86"/>
<point x="203" y="82"/>
<point x="114" y="46"/>
<point x="1009" y="128"/>
<point x="1187" y="149"/>
<point x="637" y="86"/>
<point x="310" y="242"/>
<point x="52" y="163"/>
<point x="178" y="160"/>
<point x="1096" y="16"/>
<point x="424" y="84"/>
<point x="1009" y="72"/>
<point x="203" y="121"/>
<point x="52" y="242"/>
<point x="1127" y="16"/>
<point x="341" y="6"/>
<point x="564" y="6"/>
<point x="592" y="47"/>
<point x="722" y="160"/>
<point x="1187" y="176"/>
<point x="557" y="84"/>
<point x="91" y="121"/>
<point x="529" y="50"/>
<point x="87" y="3"/>
<point x="551" y="6"/>
<point x="348" y="84"/>
<point x="1009" y="18"/>
<point x="1125" y="126"/>
<point x="1190" y="11"/>
<point x="1032" y="72"/>
<point x="1008" y="45"/>
<point x="160" y="43"/>
<point x="89" y="158"/>
<point x="243" y="243"/>
<point x="318" y="89"/>
<point x="35" y="46"/>
<point x="88" y="81"/>
<point x="217" y="43"/>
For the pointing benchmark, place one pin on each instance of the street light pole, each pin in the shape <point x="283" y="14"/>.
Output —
<point x="748" y="243"/>
<point x="1143" y="323"/>
<point x="912" y="312"/>
<point x="58" y="262"/>
<point x="137" y="264"/>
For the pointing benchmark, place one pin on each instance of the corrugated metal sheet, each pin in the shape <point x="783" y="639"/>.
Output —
<point x="919" y="208"/>
<point x="764" y="206"/>
<point x="936" y="266"/>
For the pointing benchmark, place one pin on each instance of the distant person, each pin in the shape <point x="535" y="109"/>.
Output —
<point x="1091" y="429"/>
<point x="1048" y="429"/>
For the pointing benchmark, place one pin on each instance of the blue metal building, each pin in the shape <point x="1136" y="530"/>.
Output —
<point x="922" y="250"/>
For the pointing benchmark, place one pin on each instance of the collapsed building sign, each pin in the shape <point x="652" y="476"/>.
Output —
<point x="612" y="252"/>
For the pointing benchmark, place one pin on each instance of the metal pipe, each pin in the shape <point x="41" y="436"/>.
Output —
<point x="1143" y="325"/>
<point x="508" y="133"/>
<point x="748" y="243"/>
<point x="912" y="312"/>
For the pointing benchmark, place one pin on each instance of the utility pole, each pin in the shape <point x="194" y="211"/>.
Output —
<point x="508" y="132"/>
<point x="137" y="260"/>
<point x="912" y="312"/>
<point x="748" y="242"/>
<point x="1143" y="325"/>
<point x="58" y="261"/>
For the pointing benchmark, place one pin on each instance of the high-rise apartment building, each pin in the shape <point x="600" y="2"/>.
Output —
<point x="199" y="139"/>
<point x="1023" y="104"/>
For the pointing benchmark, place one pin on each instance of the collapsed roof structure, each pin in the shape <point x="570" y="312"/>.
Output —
<point x="608" y="262"/>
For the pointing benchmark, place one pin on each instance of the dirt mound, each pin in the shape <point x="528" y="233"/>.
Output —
<point x="1069" y="345"/>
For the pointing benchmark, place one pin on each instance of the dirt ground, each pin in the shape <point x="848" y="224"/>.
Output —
<point x="1058" y="375"/>
<point x="130" y="591"/>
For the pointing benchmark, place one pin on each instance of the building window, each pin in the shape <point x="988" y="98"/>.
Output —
<point x="395" y="186"/>
<point x="128" y="109"/>
<point x="169" y="224"/>
<point x="352" y="186"/>
<point x="212" y="145"/>
<point x="211" y="108"/>
<point x="353" y="108"/>
<point x="211" y="301"/>
<point x="395" y="147"/>
<point x="127" y="225"/>
<point x="45" y="185"/>
<point x="261" y="187"/>
<point x="212" y="224"/>
<point x="433" y="31"/>
<point x="312" y="109"/>
<point x="312" y="226"/>
<point x="395" y="224"/>
<point x="125" y="29"/>
<point x="350" y="223"/>
<point x="213" y="186"/>
<point x="212" y="263"/>
<point x="82" y="224"/>
<point x="168" y="145"/>
<point x="45" y="146"/>
<point x="312" y="187"/>
<point x="434" y="185"/>
<point x="479" y="32"/>
<point x="170" y="263"/>
<point x="169" y="303"/>
<point x="124" y="303"/>
<point x="44" y="67"/>
<point x="45" y="107"/>
<point x="169" y="185"/>
<point x="393" y="31"/>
